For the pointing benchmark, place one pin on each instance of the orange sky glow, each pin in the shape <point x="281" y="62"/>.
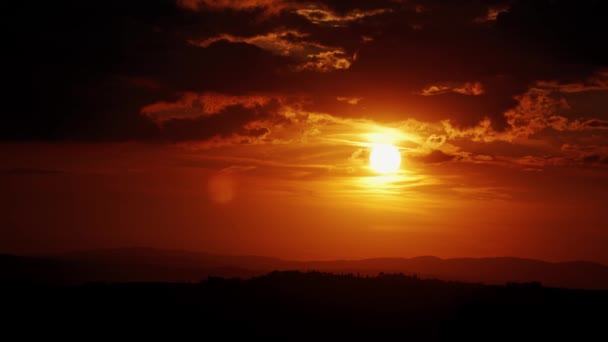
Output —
<point x="508" y="158"/>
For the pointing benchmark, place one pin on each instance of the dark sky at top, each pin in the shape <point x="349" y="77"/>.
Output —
<point x="83" y="70"/>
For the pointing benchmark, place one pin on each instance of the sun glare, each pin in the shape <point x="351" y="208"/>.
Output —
<point x="385" y="158"/>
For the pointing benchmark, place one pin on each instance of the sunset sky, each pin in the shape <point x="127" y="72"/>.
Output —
<point x="246" y="127"/>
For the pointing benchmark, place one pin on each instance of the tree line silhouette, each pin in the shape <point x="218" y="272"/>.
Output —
<point x="294" y="305"/>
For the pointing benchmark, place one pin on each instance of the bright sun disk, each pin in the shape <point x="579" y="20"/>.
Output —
<point x="385" y="158"/>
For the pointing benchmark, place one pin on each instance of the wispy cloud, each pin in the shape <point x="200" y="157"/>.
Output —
<point x="468" y="88"/>
<point x="326" y="17"/>
<point x="307" y="54"/>
<point x="350" y="100"/>
<point x="192" y="105"/>
<point x="492" y="14"/>
<point x="270" y="6"/>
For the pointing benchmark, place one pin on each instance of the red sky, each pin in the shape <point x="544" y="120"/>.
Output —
<point x="245" y="127"/>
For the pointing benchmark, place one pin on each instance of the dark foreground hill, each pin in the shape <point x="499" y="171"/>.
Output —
<point x="302" y="306"/>
<point x="146" y="264"/>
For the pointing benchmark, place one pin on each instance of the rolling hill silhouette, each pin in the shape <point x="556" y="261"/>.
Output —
<point x="148" y="264"/>
<point x="303" y="306"/>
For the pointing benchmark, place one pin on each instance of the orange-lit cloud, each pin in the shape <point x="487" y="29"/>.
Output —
<point x="327" y="61"/>
<point x="287" y="123"/>
<point x="599" y="81"/>
<point x="192" y="105"/>
<point x="367" y="39"/>
<point x="326" y="17"/>
<point x="435" y="157"/>
<point x="492" y="14"/>
<point x="468" y="88"/>
<point x="316" y="13"/>
<point x="544" y="106"/>
<point x="349" y="100"/>
<point x="286" y="43"/>
<point x="271" y="6"/>
<point x="308" y="54"/>
<point x="590" y="154"/>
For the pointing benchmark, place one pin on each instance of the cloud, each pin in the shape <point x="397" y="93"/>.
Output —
<point x="468" y="88"/>
<point x="536" y="110"/>
<point x="286" y="43"/>
<point x="309" y="55"/>
<point x="482" y="132"/>
<point x="435" y="141"/>
<point x="316" y="12"/>
<point x="597" y="82"/>
<point x="96" y="92"/>
<point x="544" y="106"/>
<point x="492" y="14"/>
<point x="271" y="6"/>
<point x="219" y="75"/>
<point x="325" y="17"/>
<point x="192" y="105"/>
<point x="587" y="154"/>
<point x="216" y="120"/>
<point x="435" y="157"/>
<point x="596" y="124"/>
<point x="280" y="121"/>
<point x="350" y="100"/>
<point x="327" y="61"/>
<point x="230" y="123"/>
<point x="568" y="155"/>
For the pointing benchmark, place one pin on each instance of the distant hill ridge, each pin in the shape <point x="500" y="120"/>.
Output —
<point x="149" y="264"/>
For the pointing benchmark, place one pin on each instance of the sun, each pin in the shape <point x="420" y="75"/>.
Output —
<point x="385" y="158"/>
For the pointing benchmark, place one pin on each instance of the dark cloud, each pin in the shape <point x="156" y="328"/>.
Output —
<point x="230" y="121"/>
<point x="435" y="157"/>
<point x="592" y="159"/>
<point x="83" y="70"/>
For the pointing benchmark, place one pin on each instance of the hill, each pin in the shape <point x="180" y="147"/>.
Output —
<point x="147" y="264"/>
<point x="298" y="306"/>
